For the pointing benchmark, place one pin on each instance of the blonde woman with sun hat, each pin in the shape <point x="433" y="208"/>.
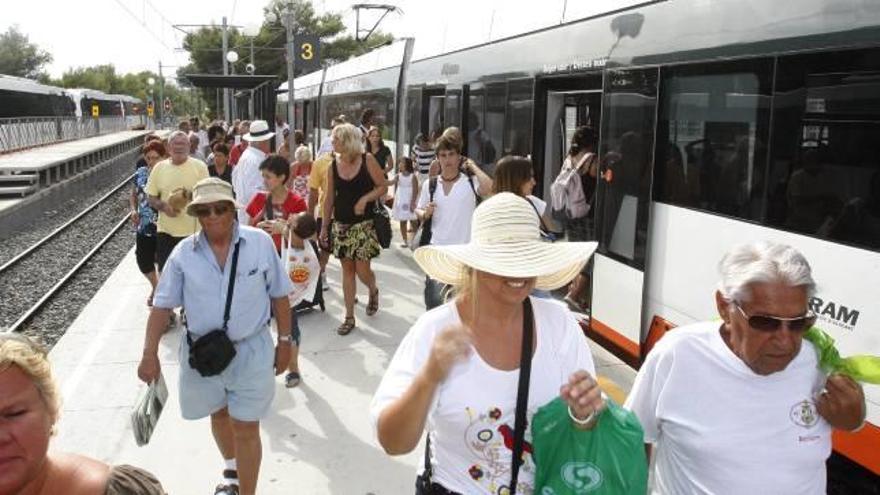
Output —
<point x="459" y="372"/>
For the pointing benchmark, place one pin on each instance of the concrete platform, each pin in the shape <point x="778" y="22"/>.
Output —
<point x="45" y="156"/>
<point x="317" y="440"/>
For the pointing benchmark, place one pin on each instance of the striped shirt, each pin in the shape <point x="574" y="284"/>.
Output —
<point x="423" y="159"/>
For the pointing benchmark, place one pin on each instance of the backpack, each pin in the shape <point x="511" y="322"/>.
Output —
<point x="567" y="200"/>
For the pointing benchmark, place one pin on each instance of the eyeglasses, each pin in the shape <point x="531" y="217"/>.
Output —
<point x="764" y="323"/>
<point x="219" y="210"/>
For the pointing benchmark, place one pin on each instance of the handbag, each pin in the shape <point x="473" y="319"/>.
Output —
<point x="211" y="353"/>
<point x="424" y="485"/>
<point x="422" y="236"/>
<point x="382" y="224"/>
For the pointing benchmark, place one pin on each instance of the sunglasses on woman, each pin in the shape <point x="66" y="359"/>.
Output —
<point x="219" y="210"/>
<point x="764" y="323"/>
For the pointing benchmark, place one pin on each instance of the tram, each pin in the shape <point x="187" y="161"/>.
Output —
<point x="21" y="98"/>
<point x="728" y="121"/>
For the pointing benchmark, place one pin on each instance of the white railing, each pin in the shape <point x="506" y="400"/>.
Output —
<point x="26" y="132"/>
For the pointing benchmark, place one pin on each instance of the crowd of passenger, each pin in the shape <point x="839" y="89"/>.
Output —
<point x="234" y="235"/>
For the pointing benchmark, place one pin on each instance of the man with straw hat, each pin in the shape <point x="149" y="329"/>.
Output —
<point x="246" y="177"/>
<point x="225" y="277"/>
<point x="458" y="370"/>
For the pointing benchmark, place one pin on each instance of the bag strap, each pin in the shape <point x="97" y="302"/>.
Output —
<point x="544" y="229"/>
<point x="232" y="270"/>
<point x="522" y="402"/>
<point x="269" y="208"/>
<point x="432" y="188"/>
<point x="522" y="394"/>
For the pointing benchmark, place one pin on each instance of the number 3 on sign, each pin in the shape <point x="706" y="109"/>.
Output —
<point x="307" y="51"/>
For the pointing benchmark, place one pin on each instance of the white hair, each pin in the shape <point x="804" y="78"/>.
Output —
<point x="350" y="138"/>
<point x="302" y="154"/>
<point x="177" y="134"/>
<point x="762" y="262"/>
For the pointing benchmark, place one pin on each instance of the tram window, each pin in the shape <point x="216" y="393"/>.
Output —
<point x="518" y="137"/>
<point x="628" y="116"/>
<point x="493" y="123"/>
<point x="712" y="137"/>
<point x="825" y="155"/>
<point x="453" y="108"/>
<point x="413" y="114"/>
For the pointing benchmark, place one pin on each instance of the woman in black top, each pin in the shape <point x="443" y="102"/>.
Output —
<point x="377" y="148"/>
<point x="354" y="182"/>
<point x="220" y="167"/>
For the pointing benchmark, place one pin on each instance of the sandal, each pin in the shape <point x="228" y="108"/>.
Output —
<point x="373" y="303"/>
<point x="347" y="326"/>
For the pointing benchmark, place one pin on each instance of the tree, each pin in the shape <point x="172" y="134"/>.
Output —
<point x="19" y="57"/>
<point x="206" y="52"/>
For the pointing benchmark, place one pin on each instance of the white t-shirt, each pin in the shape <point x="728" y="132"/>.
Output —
<point x="451" y="221"/>
<point x="247" y="179"/>
<point x="473" y="410"/>
<point x="720" y="428"/>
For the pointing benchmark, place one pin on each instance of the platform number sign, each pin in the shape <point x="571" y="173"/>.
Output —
<point x="308" y="52"/>
<point x="96" y="111"/>
<point x="150" y="109"/>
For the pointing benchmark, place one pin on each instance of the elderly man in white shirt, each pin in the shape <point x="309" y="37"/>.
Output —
<point x="246" y="177"/>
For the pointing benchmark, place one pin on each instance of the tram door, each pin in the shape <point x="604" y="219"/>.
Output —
<point x="433" y="110"/>
<point x="621" y="209"/>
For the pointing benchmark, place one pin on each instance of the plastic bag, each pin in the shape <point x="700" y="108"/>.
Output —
<point x="303" y="267"/>
<point x="861" y="368"/>
<point x="147" y="411"/>
<point x="609" y="459"/>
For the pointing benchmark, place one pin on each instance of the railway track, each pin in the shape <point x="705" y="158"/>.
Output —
<point x="37" y="277"/>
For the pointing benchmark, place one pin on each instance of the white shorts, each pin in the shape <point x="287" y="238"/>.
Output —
<point x="246" y="386"/>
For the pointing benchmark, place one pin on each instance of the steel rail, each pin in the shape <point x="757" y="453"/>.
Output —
<point x="9" y="264"/>
<point x="17" y="326"/>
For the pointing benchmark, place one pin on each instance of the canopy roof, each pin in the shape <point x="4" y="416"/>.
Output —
<point x="235" y="81"/>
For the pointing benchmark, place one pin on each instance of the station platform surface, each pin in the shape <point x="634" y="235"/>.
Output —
<point x="317" y="438"/>
<point x="42" y="157"/>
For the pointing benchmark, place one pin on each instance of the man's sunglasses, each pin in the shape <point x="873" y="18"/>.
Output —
<point x="219" y="210"/>
<point x="764" y="323"/>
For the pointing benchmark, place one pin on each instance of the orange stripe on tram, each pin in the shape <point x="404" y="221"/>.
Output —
<point x="861" y="446"/>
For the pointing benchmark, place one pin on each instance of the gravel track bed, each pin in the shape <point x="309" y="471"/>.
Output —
<point x="25" y="283"/>
<point x="59" y="313"/>
<point x="56" y="215"/>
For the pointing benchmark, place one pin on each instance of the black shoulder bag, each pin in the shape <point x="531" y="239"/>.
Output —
<point x="211" y="353"/>
<point x="424" y="485"/>
<point x="424" y="232"/>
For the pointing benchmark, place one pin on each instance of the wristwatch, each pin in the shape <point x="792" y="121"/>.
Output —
<point x="285" y="338"/>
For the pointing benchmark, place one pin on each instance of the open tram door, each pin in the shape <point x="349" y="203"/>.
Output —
<point x="621" y="211"/>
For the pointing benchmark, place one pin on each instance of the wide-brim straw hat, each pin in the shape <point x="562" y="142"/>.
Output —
<point x="506" y="241"/>
<point x="259" y="131"/>
<point x="211" y="190"/>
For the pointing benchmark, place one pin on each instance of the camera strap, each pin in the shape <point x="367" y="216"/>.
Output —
<point x="522" y="403"/>
<point x="231" y="285"/>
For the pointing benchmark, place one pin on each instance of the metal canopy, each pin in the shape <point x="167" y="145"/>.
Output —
<point x="235" y="81"/>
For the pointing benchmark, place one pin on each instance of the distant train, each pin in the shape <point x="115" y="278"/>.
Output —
<point x="21" y="97"/>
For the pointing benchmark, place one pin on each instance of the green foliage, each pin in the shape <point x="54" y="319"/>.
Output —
<point x="19" y="57"/>
<point x="206" y="53"/>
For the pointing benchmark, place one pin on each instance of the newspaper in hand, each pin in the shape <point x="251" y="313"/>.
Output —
<point x="147" y="411"/>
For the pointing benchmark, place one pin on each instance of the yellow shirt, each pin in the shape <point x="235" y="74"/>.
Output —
<point x="164" y="179"/>
<point x="318" y="178"/>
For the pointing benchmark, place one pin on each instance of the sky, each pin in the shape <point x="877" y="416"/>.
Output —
<point x="136" y="35"/>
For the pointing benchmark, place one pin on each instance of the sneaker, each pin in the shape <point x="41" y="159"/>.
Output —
<point x="292" y="379"/>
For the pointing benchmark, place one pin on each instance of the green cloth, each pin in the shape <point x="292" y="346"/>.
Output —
<point x="861" y="368"/>
<point x="608" y="459"/>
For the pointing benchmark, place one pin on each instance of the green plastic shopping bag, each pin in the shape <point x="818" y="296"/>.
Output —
<point x="609" y="459"/>
<point x="861" y="368"/>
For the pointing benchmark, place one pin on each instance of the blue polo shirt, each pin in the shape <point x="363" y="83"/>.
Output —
<point x="193" y="279"/>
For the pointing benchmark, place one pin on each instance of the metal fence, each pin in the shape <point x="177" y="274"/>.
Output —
<point x="26" y="132"/>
